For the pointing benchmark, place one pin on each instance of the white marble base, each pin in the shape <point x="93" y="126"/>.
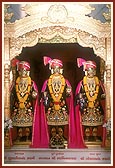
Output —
<point x="27" y="156"/>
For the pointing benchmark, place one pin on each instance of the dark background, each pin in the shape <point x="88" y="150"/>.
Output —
<point x="67" y="52"/>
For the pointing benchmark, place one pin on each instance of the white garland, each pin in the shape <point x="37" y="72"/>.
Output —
<point x="108" y="124"/>
<point x="8" y="124"/>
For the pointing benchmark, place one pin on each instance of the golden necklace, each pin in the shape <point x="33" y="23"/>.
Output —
<point x="56" y="98"/>
<point x="25" y="92"/>
<point x="91" y="99"/>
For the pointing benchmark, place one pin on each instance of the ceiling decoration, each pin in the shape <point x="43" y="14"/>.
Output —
<point x="13" y="12"/>
<point x="56" y="22"/>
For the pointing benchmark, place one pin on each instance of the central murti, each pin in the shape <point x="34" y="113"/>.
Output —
<point x="57" y="112"/>
<point x="57" y="105"/>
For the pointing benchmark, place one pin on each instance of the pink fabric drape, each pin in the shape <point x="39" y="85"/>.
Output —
<point x="36" y="127"/>
<point x="44" y="126"/>
<point x="79" y="131"/>
<point x="36" y="123"/>
<point x="72" y="129"/>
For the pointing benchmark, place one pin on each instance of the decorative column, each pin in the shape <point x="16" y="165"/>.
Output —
<point x="7" y="120"/>
<point x="108" y="106"/>
<point x="108" y="93"/>
<point x="6" y="92"/>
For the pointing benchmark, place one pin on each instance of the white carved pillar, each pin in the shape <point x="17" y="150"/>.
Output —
<point x="108" y="78"/>
<point x="7" y="141"/>
<point x="108" y="89"/>
<point x="6" y="79"/>
<point x="6" y="92"/>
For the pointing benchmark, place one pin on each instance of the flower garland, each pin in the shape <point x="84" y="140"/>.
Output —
<point x="18" y="92"/>
<point x="107" y="124"/>
<point x="56" y="99"/>
<point x="8" y="124"/>
<point x="94" y="97"/>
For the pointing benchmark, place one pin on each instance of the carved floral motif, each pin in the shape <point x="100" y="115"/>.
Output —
<point x="58" y="34"/>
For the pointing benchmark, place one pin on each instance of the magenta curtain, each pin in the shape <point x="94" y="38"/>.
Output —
<point x="36" y="123"/>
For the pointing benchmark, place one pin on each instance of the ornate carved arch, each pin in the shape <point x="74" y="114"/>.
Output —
<point x="58" y="34"/>
<point x="56" y="23"/>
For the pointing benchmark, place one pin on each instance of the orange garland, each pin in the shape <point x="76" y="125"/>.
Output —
<point x="22" y="99"/>
<point x="56" y="99"/>
<point x="93" y="98"/>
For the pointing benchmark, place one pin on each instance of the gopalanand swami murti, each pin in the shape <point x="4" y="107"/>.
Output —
<point x="90" y="103"/>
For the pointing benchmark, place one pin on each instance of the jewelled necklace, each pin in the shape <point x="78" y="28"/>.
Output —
<point x="23" y="86"/>
<point x="92" y="98"/>
<point x="56" y="97"/>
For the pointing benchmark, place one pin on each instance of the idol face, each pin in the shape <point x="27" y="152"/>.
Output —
<point x="56" y="70"/>
<point x="23" y="72"/>
<point x="91" y="72"/>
